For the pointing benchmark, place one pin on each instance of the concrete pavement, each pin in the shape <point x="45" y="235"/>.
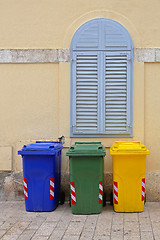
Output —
<point x="16" y="223"/>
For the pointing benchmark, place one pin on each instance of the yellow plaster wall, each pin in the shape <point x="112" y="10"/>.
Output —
<point x="152" y="115"/>
<point x="44" y="23"/>
<point x="5" y="158"/>
<point x="28" y="103"/>
<point x="35" y="98"/>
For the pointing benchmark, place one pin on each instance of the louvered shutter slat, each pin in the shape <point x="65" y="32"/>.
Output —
<point x="89" y="38"/>
<point x="115" y="37"/>
<point x="116" y="93"/>
<point x="86" y="93"/>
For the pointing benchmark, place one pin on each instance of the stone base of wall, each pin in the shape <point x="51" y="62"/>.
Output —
<point x="153" y="187"/>
<point x="11" y="186"/>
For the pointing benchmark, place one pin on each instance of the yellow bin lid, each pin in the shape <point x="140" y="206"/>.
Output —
<point x="128" y="147"/>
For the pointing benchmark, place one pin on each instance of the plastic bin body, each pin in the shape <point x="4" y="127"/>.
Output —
<point x="129" y="173"/>
<point x="41" y="173"/>
<point x="86" y="164"/>
<point x="58" y="158"/>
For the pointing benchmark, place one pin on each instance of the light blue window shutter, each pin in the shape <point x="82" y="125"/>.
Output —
<point x="101" y="80"/>
<point x="85" y="93"/>
<point x="116" y="37"/>
<point x="118" y="94"/>
<point x="87" y="37"/>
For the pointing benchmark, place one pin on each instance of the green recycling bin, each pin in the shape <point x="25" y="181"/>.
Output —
<point x="86" y="165"/>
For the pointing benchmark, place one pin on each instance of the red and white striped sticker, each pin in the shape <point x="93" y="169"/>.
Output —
<point x="25" y="188"/>
<point x="115" y="192"/>
<point x="143" y="189"/>
<point x="73" y="194"/>
<point x="100" y="192"/>
<point x="51" y="188"/>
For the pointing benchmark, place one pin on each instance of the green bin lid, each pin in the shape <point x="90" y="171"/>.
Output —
<point x="86" y="149"/>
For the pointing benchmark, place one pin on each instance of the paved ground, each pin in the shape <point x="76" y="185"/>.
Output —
<point x="16" y="223"/>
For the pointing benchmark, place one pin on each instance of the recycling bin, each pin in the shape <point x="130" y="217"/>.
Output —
<point x="61" y="194"/>
<point x="86" y="165"/>
<point x="129" y="173"/>
<point x="41" y="175"/>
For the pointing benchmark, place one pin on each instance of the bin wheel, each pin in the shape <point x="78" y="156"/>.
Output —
<point x="62" y="198"/>
<point x="104" y="199"/>
<point x="70" y="200"/>
<point x="111" y="198"/>
<point x="145" y="199"/>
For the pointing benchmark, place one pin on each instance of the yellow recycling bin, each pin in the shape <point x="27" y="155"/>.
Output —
<point x="129" y="170"/>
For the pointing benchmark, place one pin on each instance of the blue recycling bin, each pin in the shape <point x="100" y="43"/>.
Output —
<point x="41" y="175"/>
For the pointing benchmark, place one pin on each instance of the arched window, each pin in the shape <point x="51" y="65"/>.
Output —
<point x="101" y="80"/>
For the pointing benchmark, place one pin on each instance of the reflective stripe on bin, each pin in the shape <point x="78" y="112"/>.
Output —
<point x="25" y="188"/>
<point x="115" y="192"/>
<point x="73" y="194"/>
<point x="143" y="189"/>
<point x="100" y="192"/>
<point x="51" y="188"/>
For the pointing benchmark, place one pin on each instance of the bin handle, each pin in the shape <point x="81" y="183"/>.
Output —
<point x="52" y="146"/>
<point x="127" y="142"/>
<point x="87" y="143"/>
<point x="100" y="147"/>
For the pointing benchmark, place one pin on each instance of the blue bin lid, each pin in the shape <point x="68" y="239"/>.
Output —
<point x="41" y="148"/>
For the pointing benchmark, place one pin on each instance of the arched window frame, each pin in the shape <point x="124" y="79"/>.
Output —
<point x="97" y="45"/>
